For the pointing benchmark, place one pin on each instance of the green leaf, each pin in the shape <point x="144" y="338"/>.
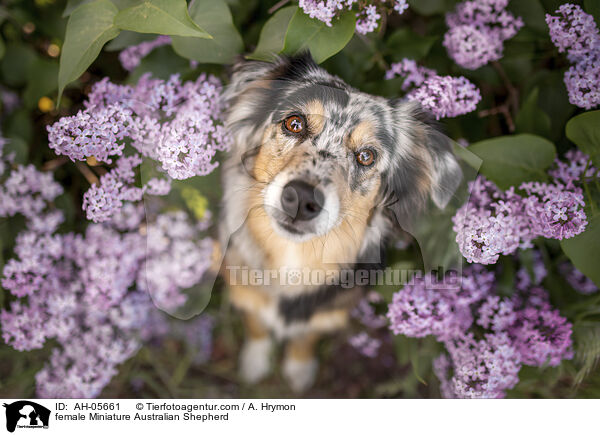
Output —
<point x="165" y="17"/>
<point x="430" y="7"/>
<point x="532" y="119"/>
<point x="272" y="35"/>
<point x="215" y="17"/>
<point x="90" y="26"/>
<point x="127" y="39"/>
<point x="72" y="5"/>
<point x="584" y="131"/>
<point x="532" y="12"/>
<point x="305" y="33"/>
<point x="511" y="160"/>
<point x="592" y="7"/>
<point x="584" y="250"/>
<point x="406" y="43"/>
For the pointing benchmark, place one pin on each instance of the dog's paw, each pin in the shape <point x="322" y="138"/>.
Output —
<point x="300" y="374"/>
<point x="255" y="360"/>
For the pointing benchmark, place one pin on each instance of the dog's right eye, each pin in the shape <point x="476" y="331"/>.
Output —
<point x="294" y="124"/>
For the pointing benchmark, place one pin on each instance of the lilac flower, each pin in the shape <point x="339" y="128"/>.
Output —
<point x="176" y="260"/>
<point x="477" y="31"/>
<point x="365" y="312"/>
<point x="443" y="96"/>
<point x="414" y="75"/>
<point x="131" y="57"/>
<point x="447" y="97"/>
<point x="573" y="168"/>
<point x="576" y="279"/>
<point x="494" y="222"/>
<point x="103" y="200"/>
<point x="523" y="329"/>
<point x="554" y="212"/>
<point x="471" y="47"/>
<point x="81" y="290"/>
<point x="581" y="81"/>
<point x="27" y="191"/>
<point x="483" y="369"/>
<point x="365" y="344"/>
<point x="489" y="224"/>
<point x="367" y="16"/>
<point x="176" y="124"/>
<point x="419" y="310"/>
<point x="542" y="336"/>
<point x="575" y="32"/>
<point x="368" y="20"/>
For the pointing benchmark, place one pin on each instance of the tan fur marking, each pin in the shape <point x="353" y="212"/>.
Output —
<point x="248" y="298"/>
<point x="254" y="327"/>
<point x="363" y="133"/>
<point x="302" y="348"/>
<point x="424" y="181"/>
<point x="315" y="115"/>
<point x="216" y="257"/>
<point x="271" y="158"/>
<point x="329" y="321"/>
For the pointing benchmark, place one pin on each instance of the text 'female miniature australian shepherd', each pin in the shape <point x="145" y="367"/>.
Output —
<point x="319" y="176"/>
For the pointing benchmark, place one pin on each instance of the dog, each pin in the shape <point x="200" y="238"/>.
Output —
<point x="318" y="178"/>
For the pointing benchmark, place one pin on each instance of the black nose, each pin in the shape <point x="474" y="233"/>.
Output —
<point x="301" y="201"/>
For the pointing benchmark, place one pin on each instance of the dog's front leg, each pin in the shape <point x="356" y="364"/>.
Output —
<point x="300" y="365"/>
<point x="255" y="357"/>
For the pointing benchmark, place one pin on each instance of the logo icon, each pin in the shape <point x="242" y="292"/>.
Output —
<point x="26" y="414"/>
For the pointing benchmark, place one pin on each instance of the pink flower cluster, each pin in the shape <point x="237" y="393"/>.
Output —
<point x="367" y="16"/>
<point x="178" y="125"/>
<point x="488" y="338"/>
<point x="575" y="32"/>
<point x="443" y="96"/>
<point x="495" y="222"/>
<point x="131" y="57"/>
<point x="477" y="31"/>
<point x="91" y="293"/>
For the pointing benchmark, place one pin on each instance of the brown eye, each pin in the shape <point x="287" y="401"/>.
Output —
<point x="365" y="157"/>
<point x="294" y="124"/>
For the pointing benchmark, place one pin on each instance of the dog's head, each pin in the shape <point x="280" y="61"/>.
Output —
<point x="325" y="154"/>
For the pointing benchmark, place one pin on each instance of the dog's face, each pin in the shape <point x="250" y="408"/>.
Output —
<point x="326" y="155"/>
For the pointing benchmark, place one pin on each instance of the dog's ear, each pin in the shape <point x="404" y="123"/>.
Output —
<point x="423" y="163"/>
<point x="249" y="75"/>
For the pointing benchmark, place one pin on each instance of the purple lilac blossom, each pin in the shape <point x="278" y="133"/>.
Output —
<point x="368" y="15"/>
<point x="176" y="124"/>
<point x="365" y="344"/>
<point x="131" y="57"/>
<point x="495" y="222"/>
<point x="176" y="259"/>
<point x="79" y="290"/>
<point x="443" y="96"/>
<point x="477" y="31"/>
<point x="523" y="329"/>
<point x="576" y="33"/>
<point x="577" y="280"/>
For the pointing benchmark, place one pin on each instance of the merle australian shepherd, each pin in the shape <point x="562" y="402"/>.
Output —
<point x="319" y="176"/>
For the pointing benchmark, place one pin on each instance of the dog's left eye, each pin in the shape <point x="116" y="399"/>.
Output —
<point x="365" y="157"/>
<point x="294" y="124"/>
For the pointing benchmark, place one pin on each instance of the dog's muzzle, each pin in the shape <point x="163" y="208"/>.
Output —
<point x="301" y="201"/>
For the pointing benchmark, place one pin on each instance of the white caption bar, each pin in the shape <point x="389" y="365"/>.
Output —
<point x="290" y="416"/>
